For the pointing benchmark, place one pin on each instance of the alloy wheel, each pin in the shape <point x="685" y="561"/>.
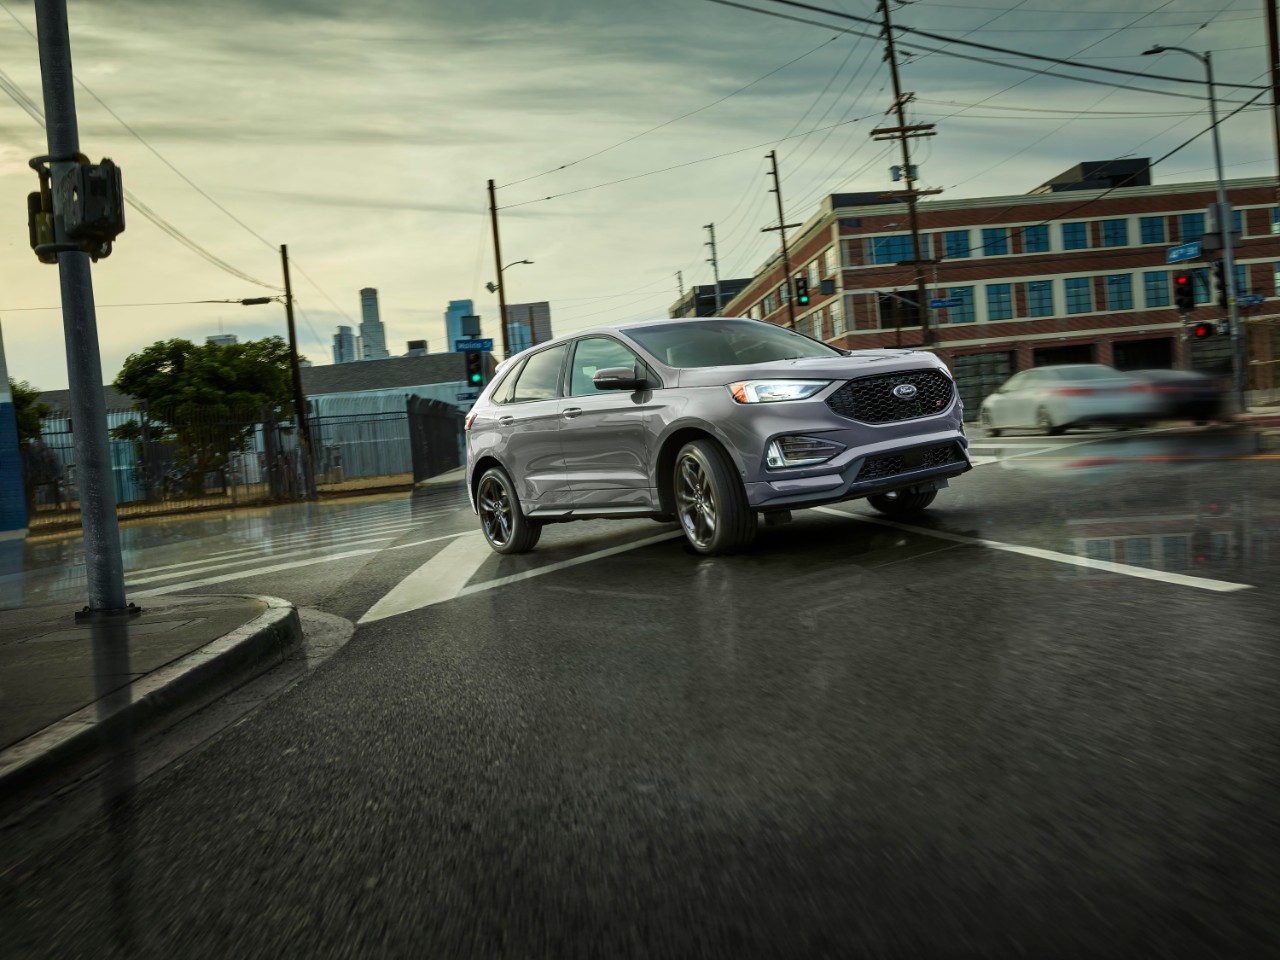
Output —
<point x="495" y="511"/>
<point x="695" y="501"/>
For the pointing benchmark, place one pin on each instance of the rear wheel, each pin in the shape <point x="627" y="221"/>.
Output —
<point x="987" y="427"/>
<point x="902" y="503"/>
<point x="1044" y="423"/>
<point x="506" y="528"/>
<point x="711" y="503"/>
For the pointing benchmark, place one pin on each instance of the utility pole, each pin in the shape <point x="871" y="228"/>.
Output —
<point x="103" y="564"/>
<point x="502" y="290"/>
<point x="680" y="282"/>
<point x="904" y="133"/>
<point x="715" y="267"/>
<point x="1273" y="54"/>
<point x="299" y="401"/>
<point x="782" y="229"/>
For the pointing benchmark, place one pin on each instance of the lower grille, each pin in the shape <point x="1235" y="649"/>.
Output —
<point x="890" y="465"/>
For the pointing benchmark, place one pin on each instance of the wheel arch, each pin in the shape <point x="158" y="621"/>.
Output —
<point x="479" y="470"/>
<point x="665" y="462"/>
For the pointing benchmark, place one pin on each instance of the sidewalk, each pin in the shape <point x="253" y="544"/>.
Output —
<point x="50" y="711"/>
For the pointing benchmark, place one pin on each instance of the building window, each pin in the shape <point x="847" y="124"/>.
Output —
<point x="1137" y="551"/>
<point x="1079" y="294"/>
<point x="813" y="278"/>
<point x="1174" y="550"/>
<point x="964" y="312"/>
<point x="815" y="323"/>
<point x="1036" y="239"/>
<point x="995" y="241"/>
<point x="956" y="244"/>
<point x="1040" y="298"/>
<point x="1075" y="236"/>
<point x="836" y="315"/>
<point x="782" y="294"/>
<point x="1120" y="292"/>
<point x="895" y="249"/>
<point x="1152" y="229"/>
<point x="766" y="305"/>
<point x="999" y="301"/>
<point x="1275" y="219"/>
<point x="1190" y="227"/>
<point x="1200" y="285"/>
<point x="829" y="261"/>
<point x="1115" y="233"/>
<point x="1155" y="288"/>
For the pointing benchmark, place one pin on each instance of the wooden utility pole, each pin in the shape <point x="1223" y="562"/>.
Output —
<point x="782" y="229"/>
<point x="1273" y="54"/>
<point x="715" y="267"/>
<point x="904" y="134"/>
<point x="299" y="400"/>
<point x="502" y="291"/>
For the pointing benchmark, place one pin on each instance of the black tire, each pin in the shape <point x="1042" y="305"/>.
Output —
<point x="900" y="503"/>
<point x="987" y="427"/>
<point x="1045" y="424"/>
<point x="502" y="521"/>
<point x="711" y="503"/>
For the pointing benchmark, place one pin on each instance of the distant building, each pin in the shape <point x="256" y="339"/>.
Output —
<point x="700" y="301"/>
<point x="222" y="339"/>
<point x="344" y="346"/>
<point x="527" y="324"/>
<point x="417" y="348"/>
<point x="373" y="336"/>
<point x="453" y="320"/>
<point x="435" y="376"/>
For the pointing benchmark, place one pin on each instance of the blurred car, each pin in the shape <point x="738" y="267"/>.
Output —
<point x="708" y="422"/>
<point x="1052" y="399"/>
<point x="1186" y="394"/>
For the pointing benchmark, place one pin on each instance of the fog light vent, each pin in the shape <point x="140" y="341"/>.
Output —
<point x="800" y="451"/>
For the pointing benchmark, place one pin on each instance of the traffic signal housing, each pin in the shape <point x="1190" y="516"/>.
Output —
<point x="1184" y="294"/>
<point x="475" y="368"/>
<point x="802" y="290"/>
<point x="1220" y="278"/>
<point x="1203" y="331"/>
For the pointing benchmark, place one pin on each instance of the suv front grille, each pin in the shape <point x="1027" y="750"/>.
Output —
<point x="871" y="399"/>
<point x="877" y="468"/>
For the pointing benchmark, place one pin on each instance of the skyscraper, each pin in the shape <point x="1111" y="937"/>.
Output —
<point x="527" y="324"/>
<point x="344" y="346"/>
<point x="222" y="339"/>
<point x="372" y="335"/>
<point x="453" y="321"/>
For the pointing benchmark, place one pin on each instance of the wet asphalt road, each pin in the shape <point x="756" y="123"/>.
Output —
<point x="857" y="740"/>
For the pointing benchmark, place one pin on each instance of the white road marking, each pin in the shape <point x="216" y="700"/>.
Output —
<point x="273" y="568"/>
<point x="1107" y="566"/>
<point x="444" y="576"/>
<point x="226" y="563"/>
<point x="441" y="578"/>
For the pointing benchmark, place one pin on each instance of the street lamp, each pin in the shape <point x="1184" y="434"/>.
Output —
<point x="502" y="297"/>
<point x="1224" y="222"/>
<point x="493" y="287"/>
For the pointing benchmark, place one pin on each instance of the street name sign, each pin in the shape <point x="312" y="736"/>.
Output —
<point x="471" y="395"/>
<point x="484" y="345"/>
<point x="1251" y="299"/>
<point x="1184" y="251"/>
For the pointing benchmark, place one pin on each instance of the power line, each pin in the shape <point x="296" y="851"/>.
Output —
<point x="109" y="306"/>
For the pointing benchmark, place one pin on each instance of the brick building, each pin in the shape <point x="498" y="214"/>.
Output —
<point x="1074" y="271"/>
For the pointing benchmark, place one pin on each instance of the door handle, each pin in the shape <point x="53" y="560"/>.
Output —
<point x="571" y="412"/>
<point x="507" y="420"/>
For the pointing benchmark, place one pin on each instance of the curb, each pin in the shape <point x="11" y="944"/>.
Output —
<point x="263" y="641"/>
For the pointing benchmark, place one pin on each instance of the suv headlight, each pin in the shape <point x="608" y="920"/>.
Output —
<point x="773" y="391"/>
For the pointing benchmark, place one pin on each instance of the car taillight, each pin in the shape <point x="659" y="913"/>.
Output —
<point x="466" y="424"/>
<point x="1144" y="388"/>
<point x="1075" y="392"/>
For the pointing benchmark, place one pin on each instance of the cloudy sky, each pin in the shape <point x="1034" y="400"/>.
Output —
<point x="362" y="135"/>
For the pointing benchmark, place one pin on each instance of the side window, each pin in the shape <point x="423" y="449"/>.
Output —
<point x="596" y="353"/>
<point x="540" y="378"/>
<point x="506" y="386"/>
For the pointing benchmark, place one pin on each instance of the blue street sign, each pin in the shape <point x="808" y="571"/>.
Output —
<point x="948" y="302"/>
<point x="471" y="395"/>
<point x="485" y="345"/>
<point x="1250" y="299"/>
<point x="1185" y="251"/>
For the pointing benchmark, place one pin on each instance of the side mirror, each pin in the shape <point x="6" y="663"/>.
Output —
<point x="618" y="378"/>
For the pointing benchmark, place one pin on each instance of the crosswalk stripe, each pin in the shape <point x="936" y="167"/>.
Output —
<point x="440" y="578"/>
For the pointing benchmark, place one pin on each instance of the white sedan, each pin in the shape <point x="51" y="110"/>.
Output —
<point x="1051" y="399"/>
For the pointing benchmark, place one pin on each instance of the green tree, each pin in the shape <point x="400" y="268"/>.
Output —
<point x="206" y="399"/>
<point x="29" y="410"/>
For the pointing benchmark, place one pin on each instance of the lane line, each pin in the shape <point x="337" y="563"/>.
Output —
<point x="229" y="563"/>
<point x="274" y="568"/>
<point x="1107" y="566"/>
<point x="441" y="578"/>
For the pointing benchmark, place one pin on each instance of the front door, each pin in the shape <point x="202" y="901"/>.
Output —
<point x="529" y="424"/>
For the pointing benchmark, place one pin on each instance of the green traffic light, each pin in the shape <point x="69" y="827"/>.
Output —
<point x="475" y="378"/>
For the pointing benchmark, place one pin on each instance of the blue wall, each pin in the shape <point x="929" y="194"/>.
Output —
<point x="13" y="506"/>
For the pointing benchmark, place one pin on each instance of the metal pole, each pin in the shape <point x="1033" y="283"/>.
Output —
<point x="1228" y="258"/>
<point x="782" y="235"/>
<point x="715" y="267"/>
<point x="299" y="400"/>
<point x="497" y="259"/>
<point x="103" y="563"/>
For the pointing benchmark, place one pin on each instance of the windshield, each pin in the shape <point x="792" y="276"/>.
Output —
<point x="722" y="343"/>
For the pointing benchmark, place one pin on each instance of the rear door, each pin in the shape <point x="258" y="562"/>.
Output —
<point x="604" y="433"/>
<point x="529" y="423"/>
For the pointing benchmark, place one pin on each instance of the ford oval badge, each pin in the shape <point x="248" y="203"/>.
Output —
<point x="904" y="391"/>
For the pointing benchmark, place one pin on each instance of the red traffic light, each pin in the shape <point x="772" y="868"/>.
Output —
<point x="1182" y="280"/>
<point x="1202" y="330"/>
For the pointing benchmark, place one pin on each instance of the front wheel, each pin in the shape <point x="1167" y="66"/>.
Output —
<point x="987" y="427"/>
<point x="506" y="528"/>
<point x="711" y="503"/>
<point x="1044" y="423"/>
<point x="901" y="503"/>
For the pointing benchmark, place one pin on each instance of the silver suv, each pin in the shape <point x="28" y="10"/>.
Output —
<point x="710" y="422"/>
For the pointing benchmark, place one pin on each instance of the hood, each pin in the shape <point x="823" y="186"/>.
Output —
<point x="860" y="364"/>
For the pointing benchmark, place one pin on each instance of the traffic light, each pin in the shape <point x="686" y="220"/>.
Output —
<point x="1184" y="294"/>
<point x="1220" y="278"/>
<point x="1202" y="331"/>
<point x="475" y="368"/>
<point x="802" y="290"/>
